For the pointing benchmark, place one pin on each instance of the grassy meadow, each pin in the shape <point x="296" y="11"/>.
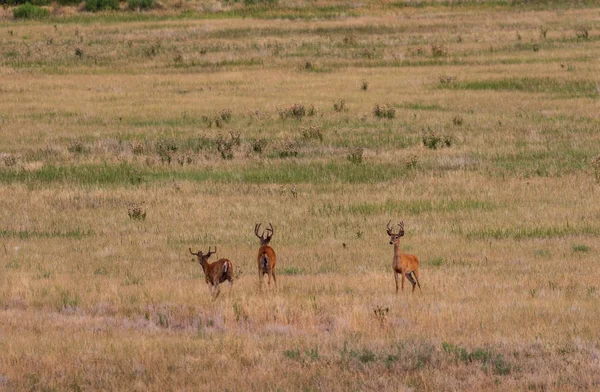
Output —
<point x="477" y="123"/>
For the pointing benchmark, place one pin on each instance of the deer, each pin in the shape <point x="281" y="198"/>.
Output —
<point x="405" y="264"/>
<point x="266" y="255"/>
<point x="215" y="273"/>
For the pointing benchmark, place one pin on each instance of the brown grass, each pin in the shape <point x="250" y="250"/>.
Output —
<point x="504" y="220"/>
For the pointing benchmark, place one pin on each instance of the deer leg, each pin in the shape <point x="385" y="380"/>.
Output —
<point x="260" y="278"/>
<point x="402" y="281"/>
<point x="269" y="279"/>
<point x="274" y="278"/>
<point x="396" y="279"/>
<point x="411" y="280"/>
<point x="217" y="291"/>
<point x="417" y="279"/>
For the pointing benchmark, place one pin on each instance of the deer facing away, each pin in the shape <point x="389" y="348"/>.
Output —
<point x="405" y="264"/>
<point x="266" y="255"/>
<point x="215" y="273"/>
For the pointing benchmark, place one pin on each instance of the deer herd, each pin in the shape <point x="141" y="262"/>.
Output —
<point x="403" y="264"/>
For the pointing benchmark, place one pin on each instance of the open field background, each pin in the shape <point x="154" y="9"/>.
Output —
<point x="101" y="113"/>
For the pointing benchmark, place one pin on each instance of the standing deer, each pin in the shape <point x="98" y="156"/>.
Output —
<point x="403" y="264"/>
<point x="266" y="255"/>
<point x="215" y="273"/>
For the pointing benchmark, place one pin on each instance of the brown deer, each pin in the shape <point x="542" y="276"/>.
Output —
<point x="215" y="273"/>
<point x="403" y="264"/>
<point x="266" y="255"/>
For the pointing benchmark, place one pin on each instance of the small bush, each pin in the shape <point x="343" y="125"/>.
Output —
<point x="364" y="85"/>
<point x="583" y="32"/>
<point x="438" y="50"/>
<point x="259" y="145"/>
<point x="340" y="106"/>
<point x="77" y="147"/>
<point x="596" y="166"/>
<point x="136" y="211"/>
<point x="312" y="133"/>
<point x="270" y="3"/>
<point x="350" y="40"/>
<point x="380" y="313"/>
<point x="29" y="11"/>
<point x="290" y="149"/>
<point x="165" y="149"/>
<point x="355" y="155"/>
<point x="457" y="120"/>
<point x="225" y="146"/>
<point x="99" y="5"/>
<point x="296" y="111"/>
<point x="433" y="139"/>
<point x="140" y="4"/>
<point x="446" y="80"/>
<point x="384" y="111"/>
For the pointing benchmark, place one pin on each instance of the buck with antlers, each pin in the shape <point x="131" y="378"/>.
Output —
<point x="215" y="273"/>
<point x="266" y="255"/>
<point x="404" y="264"/>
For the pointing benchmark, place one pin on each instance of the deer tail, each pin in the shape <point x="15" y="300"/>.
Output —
<point x="264" y="261"/>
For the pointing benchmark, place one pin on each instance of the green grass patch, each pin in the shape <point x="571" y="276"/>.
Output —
<point x="282" y="173"/>
<point x="554" y="162"/>
<point x="412" y="207"/>
<point x="574" y="88"/>
<point x="28" y="234"/>
<point x="521" y="233"/>
<point x="580" y="248"/>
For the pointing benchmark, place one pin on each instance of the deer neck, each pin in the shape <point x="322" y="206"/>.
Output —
<point x="204" y="265"/>
<point x="397" y="251"/>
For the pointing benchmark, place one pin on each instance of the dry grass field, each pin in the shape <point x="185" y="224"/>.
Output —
<point x="477" y="123"/>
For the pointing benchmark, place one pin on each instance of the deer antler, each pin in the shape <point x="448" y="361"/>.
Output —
<point x="211" y="253"/>
<point x="400" y="232"/>
<point x="270" y="228"/>
<point x="256" y="229"/>
<point x="195" y="254"/>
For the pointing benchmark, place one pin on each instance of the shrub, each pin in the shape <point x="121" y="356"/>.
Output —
<point x="136" y="211"/>
<point x="446" y="80"/>
<point x="433" y="139"/>
<point x="364" y="85"/>
<point x="225" y="146"/>
<point x="438" y="50"/>
<point x="384" y="111"/>
<point x="140" y="4"/>
<point x="355" y="155"/>
<point x="290" y="149"/>
<point x="312" y="133"/>
<point x="583" y="32"/>
<point x="269" y="3"/>
<point x="296" y="111"/>
<point x="99" y="5"/>
<point x="29" y="11"/>
<point x="259" y="145"/>
<point x="340" y="106"/>
<point x="165" y="149"/>
<point x="596" y="166"/>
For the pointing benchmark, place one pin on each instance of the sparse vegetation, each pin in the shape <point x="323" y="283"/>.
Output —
<point x="384" y="111"/>
<point x="219" y="114"/>
<point x="355" y="155"/>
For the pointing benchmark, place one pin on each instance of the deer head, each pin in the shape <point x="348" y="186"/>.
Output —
<point x="264" y="240"/>
<point x="203" y="258"/>
<point x="395" y="238"/>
